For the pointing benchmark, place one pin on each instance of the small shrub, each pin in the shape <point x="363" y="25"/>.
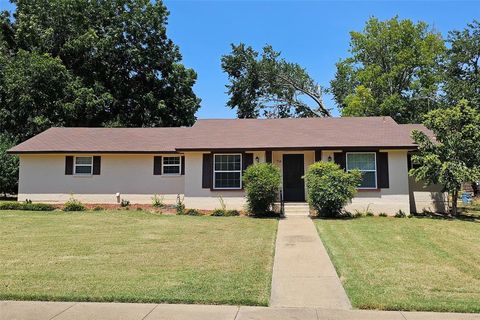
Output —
<point x="180" y="206"/>
<point x="139" y="209"/>
<point x="218" y="213"/>
<point x="28" y="201"/>
<point x="369" y="214"/>
<point x="124" y="203"/>
<point x="330" y="188"/>
<point x="358" y="214"/>
<point x="29" y="206"/>
<point x="73" y="205"/>
<point x="382" y="214"/>
<point x="157" y="202"/>
<point x="97" y="208"/>
<point x="232" y="213"/>
<point x="262" y="184"/>
<point x="193" y="212"/>
<point x="400" y="214"/>
<point x="225" y="213"/>
<point x="10" y="205"/>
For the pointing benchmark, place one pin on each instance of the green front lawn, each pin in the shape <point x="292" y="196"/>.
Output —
<point x="134" y="256"/>
<point x="406" y="264"/>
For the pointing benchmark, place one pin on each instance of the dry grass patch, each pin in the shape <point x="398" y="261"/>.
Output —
<point x="135" y="257"/>
<point x="406" y="264"/>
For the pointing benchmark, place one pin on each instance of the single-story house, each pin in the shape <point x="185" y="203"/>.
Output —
<point x="205" y="161"/>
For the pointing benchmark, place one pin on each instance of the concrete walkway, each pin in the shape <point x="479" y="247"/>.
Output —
<point x="34" y="310"/>
<point x="303" y="275"/>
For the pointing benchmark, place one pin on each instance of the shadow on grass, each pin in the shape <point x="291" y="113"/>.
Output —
<point x="463" y="216"/>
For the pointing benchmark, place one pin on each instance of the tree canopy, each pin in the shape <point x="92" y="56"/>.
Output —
<point x="91" y="63"/>
<point x="392" y="71"/>
<point x="454" y="157"/>
<point x="462" y="68"/>
<point x="267" y="85"/>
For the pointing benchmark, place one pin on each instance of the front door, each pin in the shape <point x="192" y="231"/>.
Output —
<point x="293" y="170"/>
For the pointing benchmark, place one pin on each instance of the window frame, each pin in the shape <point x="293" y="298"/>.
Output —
<point x="375" y="170"/>
<point x="75" y="165"/>
<point x="214" y="187"/>
<point x="179" y="165"/>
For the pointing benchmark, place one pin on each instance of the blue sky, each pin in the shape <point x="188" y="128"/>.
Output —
<point x="314" y="34"/>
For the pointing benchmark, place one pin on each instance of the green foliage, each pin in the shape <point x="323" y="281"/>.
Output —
<point x="97" y="208"/>
<point x="180" y="205"/>
<point x="91" y="63"/>
<point x="73" y="205"/>
<point x="262" y="183"/>
<point x="225" y="213"/>
<point x="454" y="157"/>
<point x="382" y="214"/>
<point x="28" y="206"/>
<point x="393" y="71"/>
<point x="400" y="214"/>
<point x="157" y="202"/>
<point x="462" y="72"/>
<point x="193" y="212"/>
<point x="124" y="203"/>
<point x="8" y="167"/>
<point x="330" y="188"/>
<point x="270" y="86"/>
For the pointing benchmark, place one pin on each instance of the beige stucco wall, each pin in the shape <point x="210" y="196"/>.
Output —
<point x="427" y="198"/>
<point x="42" y="178"/>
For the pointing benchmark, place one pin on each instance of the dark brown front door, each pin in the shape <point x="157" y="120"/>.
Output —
<point x="293" y="170"/>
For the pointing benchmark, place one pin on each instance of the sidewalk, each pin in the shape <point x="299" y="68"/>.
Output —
<point x="34" y="310"/>
<point x="303" y="274"/>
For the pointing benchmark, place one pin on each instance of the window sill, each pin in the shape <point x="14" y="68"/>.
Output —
<point x="368" y="190"/>
<point x="83" y="175"/>
<point x="170" y="175"/>
<point x="226" y="189"/>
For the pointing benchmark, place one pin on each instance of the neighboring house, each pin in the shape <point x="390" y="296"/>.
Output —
<point x="203" y="162"/>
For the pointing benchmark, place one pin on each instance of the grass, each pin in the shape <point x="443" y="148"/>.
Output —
<point x="406" y="264"/>
<point x="132" y="256"/>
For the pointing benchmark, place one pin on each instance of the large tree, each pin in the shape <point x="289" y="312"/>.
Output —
<point x="454" y="157"/>
<point x="392" y="71"/>
<point x="8" y="167"/>
<point x="462" y="67"/>
<point x="91" y="63"/>
<point x="267" y="85"/>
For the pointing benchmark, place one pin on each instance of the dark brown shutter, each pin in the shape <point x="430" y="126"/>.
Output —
<point x="339" y="158"/>
<point x="247" y="160"/>
<point x="157" y="165"/>
<point x="69" y="165"/>
<point x="97" y="160"/>
<point x="318" y="155"/>
<point x="207" y="170"/>
<point x="268" y="156"/>
<point x="183" y="165"/>
<point x="382" y="170"/>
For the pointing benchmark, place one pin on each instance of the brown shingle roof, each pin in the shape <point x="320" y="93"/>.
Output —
<point x="358" y="132"/>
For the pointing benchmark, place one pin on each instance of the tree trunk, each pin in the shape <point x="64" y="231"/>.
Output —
<point x="454" y="202"/>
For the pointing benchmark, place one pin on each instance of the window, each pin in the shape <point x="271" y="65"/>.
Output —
<point x="227" y="171"/>
<point x="171" y="165"/>
<point x="83" y="165"/>
<point x="367" y="164"/>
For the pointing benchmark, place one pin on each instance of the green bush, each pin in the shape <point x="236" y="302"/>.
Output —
<point x="29" y="206"/>
<point x="193" y="212"/>
<point x="124" y="203"/>
<point x="225" y="213"/>
<point x="382" y="214"/>
<point x="180" y="206"/>
<point x="97" y="208"/>
<point x="330" y="188"/>
<point x="262" y="183"/>
<point x="400" y="214"/>
<point x="73" y="205"/>
<point x="157" y="202"/>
